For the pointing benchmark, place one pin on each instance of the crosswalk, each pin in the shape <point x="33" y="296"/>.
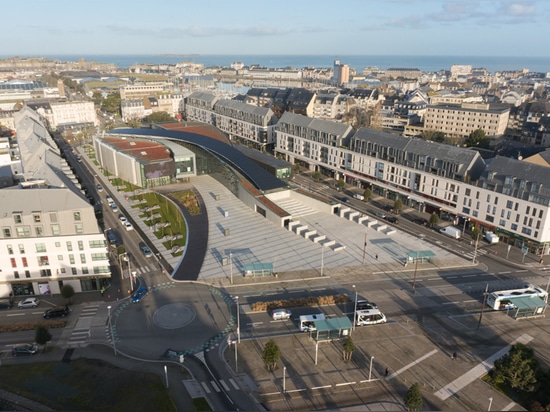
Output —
<point x="82" y="331"/>
<point x="145" y="269"/>
<point x="470" y="255"/>
<point x="213" y="385"/>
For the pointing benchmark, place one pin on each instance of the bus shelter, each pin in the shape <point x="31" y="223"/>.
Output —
<point x="526" y="307"/>
<point x="258" y="269"/>
<point x="329" y="329"/>
<point x="420" y="256"/>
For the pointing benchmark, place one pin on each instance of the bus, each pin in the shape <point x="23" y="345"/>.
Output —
<point x="307" y="322"/>
<point x="504" y="299"/>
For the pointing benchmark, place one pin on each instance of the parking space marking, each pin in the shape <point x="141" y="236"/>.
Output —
<point x="410" y="365"/>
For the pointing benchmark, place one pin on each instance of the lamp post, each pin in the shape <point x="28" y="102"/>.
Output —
<point x="238" y="321"/>
<point x="370" y="368"/>
<point x="354" y="308"/>
<point x="129" y="272"/>
<point x="490" y="403"/>
<point x="166" y="375"/>
<point x="322" y="258"/>
<point x="365" y="248"/>
<point x="231" y="266"/>
<point x="415" y="270"/>
<point x="111" y="328"/>
<point x="284" y="379"/>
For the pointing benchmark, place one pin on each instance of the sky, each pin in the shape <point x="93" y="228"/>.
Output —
<point x="254" y="27"/>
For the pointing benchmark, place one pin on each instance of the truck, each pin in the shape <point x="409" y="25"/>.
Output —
<point x="451" y="231"/>
<point x="491" y="237"/>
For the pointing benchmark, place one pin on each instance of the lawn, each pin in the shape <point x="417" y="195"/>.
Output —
<point x="87" y="385"/>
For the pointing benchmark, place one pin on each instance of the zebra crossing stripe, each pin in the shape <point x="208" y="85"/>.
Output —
<point x="234" y="384"/>
<point x="225" y="385"/>
<point x="215" y="386"/>
<point x="205" y="387"/>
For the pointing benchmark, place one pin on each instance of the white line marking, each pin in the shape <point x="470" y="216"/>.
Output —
<point x="524" y="270"/>
<point x="225" y="385"/>
<point x="504" y="273"/>
<point x="296" y="390"/>
<point x="215" y="386"/>
<point x="410" y="365"/>
<point x="468" y="276"/>
<point x="321" y="387"/>
<point x="15" y="314"/>
<point x="205" y="387"/>
<point x="345" y="383"/>
<point x="509" y="406"/>
<point x="234" y="384"/>
<point x="478" y="371"/>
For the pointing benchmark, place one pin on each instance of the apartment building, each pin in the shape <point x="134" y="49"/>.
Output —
<point x="459" y="121"/>
<point x="507" y="196"/>
<point x="341" y="73"/>
<point x="243" y="121"/>
<point x="132" y="110"/>
<point x="199" y="107"/>
<point x="139" y="91"/>
<point x="49" y="233"/>
<point x="331" y="105"/>
<point x="61" y="113"/>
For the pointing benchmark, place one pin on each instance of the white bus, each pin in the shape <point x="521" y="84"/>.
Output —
<point x="307" y="322"/>
<point x="369" y="317"/>
<point x="503" y="299"/>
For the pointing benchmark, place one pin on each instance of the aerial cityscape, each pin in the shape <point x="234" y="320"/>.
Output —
<point x="311" y="211"/>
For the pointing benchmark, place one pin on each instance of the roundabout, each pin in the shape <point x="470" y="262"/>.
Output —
<point x="173" y="319"/>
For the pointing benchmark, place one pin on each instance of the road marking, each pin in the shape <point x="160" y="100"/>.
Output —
<point x="215" y="386"/>
<point x="205" y="387"/>
<point x="450" y="303"/>
<point x="468" y="276"/>
<point x="471" y="300"/>
<point x="452" y="277"/>
<point x="504" y="273"/>
<point x="87" y="332"/>
<point x="296" y="390"/>
<point x="410" y="365"/>
<point x="225" y="385"/>
<point x="478" y="371"/>
<point x="521" y="271"/>
<point x="509" y="406"/>
<point x="345" y="383"/>
<point x="321" y="387"/>
<point x="15" y="314"/>
<point x="234" y="384"/>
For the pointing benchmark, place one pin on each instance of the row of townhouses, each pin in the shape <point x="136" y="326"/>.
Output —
<point x="49" y="234"/>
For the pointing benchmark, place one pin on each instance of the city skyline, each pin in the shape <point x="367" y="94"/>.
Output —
<point x="391" y="27"/>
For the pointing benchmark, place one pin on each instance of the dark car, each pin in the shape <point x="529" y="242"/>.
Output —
<point x="365" y="305"/>
<point x="23" y="349"/>
<point x="345" y="199"/>
<point x="392" y="219"/>
<point x="139" y="294"/>
<point x="56" y="312"/>
<point x="6" y="304"/>
<point x="421" y="221"/>
<point x="145" y="250"/>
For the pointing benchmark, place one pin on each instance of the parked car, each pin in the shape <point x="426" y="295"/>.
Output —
<point x="110" y="200"/>
<point x="344" y="199"/>
<point x="128" y="226"/>
<point x="139" y="294"/>
<point x="392" y="219"/>
<point x="365" y="305"/>
<point x="111" y="237"/>
<point x="281" y="314"/>
<point x="421" y="221"/>
<point x="145" y="250"/>
<point x="381" y="215"/>
<point x="122" y="218"/>
<point x="24" y="349"/>
<point x="114" y="207"/>
<point x="6" y="303"/>
<point x="28" y="303"/>
<point x="56" y="312"/>
<point x="99" y="188"/>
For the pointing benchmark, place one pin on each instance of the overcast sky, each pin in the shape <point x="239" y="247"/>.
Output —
<point x="360" y="27"/>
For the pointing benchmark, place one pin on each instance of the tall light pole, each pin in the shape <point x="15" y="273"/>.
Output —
<point x="129" y="272"/>
<point x="415" y="270"/>
<point x="284" y="379"/>
<point x="231" y="266"/>
<point x="365" y="247"/>
<point x="238" y="321"/>
<point x="322" y="258"/>
<point x="354" y="308"/>
<point x="370" y="368"/>
<point x="475" y="248"/>
<point x="111" y="328"/>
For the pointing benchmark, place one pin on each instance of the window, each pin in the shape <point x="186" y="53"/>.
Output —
<point x="10" y="249"/>
<point x="16" y="274"/>
<point x="53" y="217"/>
<point x="474" y="214"/>
<point x="21" y="248"/>
<point x="502" y="222"/>
<point x="57" y="244"/>
<point x="514" y="226"/>
<point x="69" y="246"/>
<point x="71" y="259"/>
<point x="78" y="228"/>
<point x="97" y="244"/>
<point x="40" y="248"/>
<point x="59" y="257"/>
<point x="39" y="231"/>
<point x="73" y="269"/>
<point x="82" y="258"/>
<point x="526" y="231"/>
<point x="80" y="245"/>
<point x="76" y="216"/>
<point x="55" y="230"/>
<point x="25" y="263"/>
<point x="7" y="232"/>
<point x="43" y="261"/>
<point x="85" y="270"/>
<point x="509" y="204"/>
<point x="468" y="191"/>
<point x="489" y="218"/>
<point x="23" y="231"/>
<point x="17" y="218"/>
<point x="534" y="212"/>
<point x="27" y="274"/>
<point x="36" y="217"/>
<point x="13" y="263"/>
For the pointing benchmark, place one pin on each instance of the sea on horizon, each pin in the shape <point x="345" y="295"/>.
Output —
<point x="358" y="62"/>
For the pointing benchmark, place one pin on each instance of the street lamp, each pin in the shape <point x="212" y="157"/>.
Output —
<point x="111" y="328"/>
<point x="231" y="266"/>
<point x="354" y="308"/>
<point x="370" y="368"/>
<point x="238" y="321"/>
<point x="284" y="379"/>
<point x="322" y="258"/>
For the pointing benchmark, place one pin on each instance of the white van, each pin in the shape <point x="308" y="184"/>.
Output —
<point x="307" y="322"/>
<point x="110" y="200"/>
<point x="491" y="237"/>
<point x="358" y="196"/>
<point x="451" y="231"/>
<point x="369" y="317"/>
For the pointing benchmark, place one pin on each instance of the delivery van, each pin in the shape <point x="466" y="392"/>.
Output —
<point x="358" y="196"/>
<point x="451" y="231"/>
<point x="491" y="237"/>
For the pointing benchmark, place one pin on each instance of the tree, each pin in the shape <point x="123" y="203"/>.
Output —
<point x="42" y="336"/>
<point x="397" y="205"/>
<point x="349" y="347"/>
<point x="317" y="175"/>
<point x="111" y="103"/>
<point x="413" y="398"/>
<point x="433" y="135"/>
<point x="434" y="220"/>
<point x="159" y="117"/>
<point x="97" y="98"/>
<point x="478" y="138"/>
<point x="367" y="194"/>
<point x="67" y="291"/>
<point x="340" y="184"/>
<point x="297" y="168"/>
<point x="272" y="353"/>
<point x="476" y="234"/>
<point x="518" y="368"/>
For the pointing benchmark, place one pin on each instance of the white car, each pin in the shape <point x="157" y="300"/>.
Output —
<point x="114" y="207"/>
<point x="128" y="226"/>
<point x="281" y="314"/>
<point x="28" y="303"/>
<point x="99" y="188"/>
<point x="122" y="218"/>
